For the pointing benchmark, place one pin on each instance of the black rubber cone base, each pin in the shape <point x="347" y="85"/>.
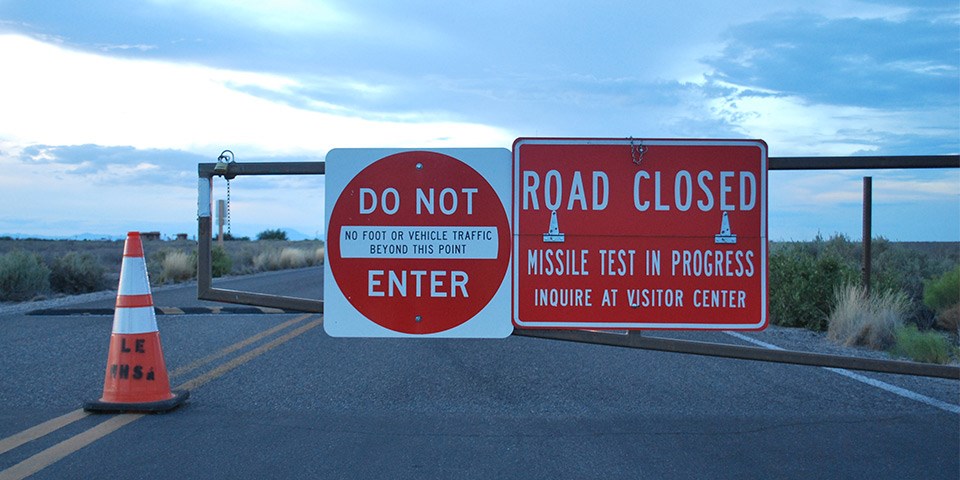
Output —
<point x="97" y="406"/>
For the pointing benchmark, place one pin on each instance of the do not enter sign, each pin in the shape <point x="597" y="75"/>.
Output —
<point x="418" y="243"/>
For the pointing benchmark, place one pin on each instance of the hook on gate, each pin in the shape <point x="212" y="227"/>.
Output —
<point x="637" y="149"/>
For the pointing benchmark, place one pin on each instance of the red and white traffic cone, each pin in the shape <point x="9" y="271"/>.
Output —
<point x="136" y="378"/>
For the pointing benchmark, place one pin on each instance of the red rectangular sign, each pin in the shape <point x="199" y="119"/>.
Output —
<point x="640" y="234"/>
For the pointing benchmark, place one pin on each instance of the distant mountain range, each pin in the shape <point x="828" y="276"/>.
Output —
<point x="82" y="236"/>
<point x="292" y="235"/>
<point x="295" y="236"/>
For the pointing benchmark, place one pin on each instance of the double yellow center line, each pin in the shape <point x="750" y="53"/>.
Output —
<point x="59" y="451"/>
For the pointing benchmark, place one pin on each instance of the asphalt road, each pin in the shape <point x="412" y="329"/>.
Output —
<point x="273" y="397"/>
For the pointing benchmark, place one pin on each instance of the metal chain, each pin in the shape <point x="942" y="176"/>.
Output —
<point x="228" y="209"/>
<point x="223" y="168"/>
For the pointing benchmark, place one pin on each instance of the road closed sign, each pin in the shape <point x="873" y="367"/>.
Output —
<point x="418" y="243"/>
<point x="640" y="234"/>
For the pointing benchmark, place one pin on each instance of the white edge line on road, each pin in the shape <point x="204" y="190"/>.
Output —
<point x="903" y="392"/>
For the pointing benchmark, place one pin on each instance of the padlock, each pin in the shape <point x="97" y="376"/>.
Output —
<point x="223" y="163"/>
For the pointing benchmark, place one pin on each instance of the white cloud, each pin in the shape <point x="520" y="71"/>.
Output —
<point x="139" y="47"/>
<point x="925" y="68"/>
<point x="855" y="9"/>
<point x="905" y="189"/>
<point x="820" y="191"/>
<point x="794" y="126"/>
<point x="288" y="16"/>
<point x="56" y="96"/>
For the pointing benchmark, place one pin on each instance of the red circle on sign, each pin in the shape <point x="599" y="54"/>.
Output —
<point x="417" y="289"/>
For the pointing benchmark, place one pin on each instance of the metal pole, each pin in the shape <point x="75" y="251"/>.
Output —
<point x="867" y="230"/>
<point x="204" y="232"/>
<point x="221" y="209"/>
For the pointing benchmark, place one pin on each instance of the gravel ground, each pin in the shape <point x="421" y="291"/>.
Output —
<point x="806" y="340"/>
<point x="63" y="301"/>
<point x="809" y="341"/>
<point x="13" y="308"/>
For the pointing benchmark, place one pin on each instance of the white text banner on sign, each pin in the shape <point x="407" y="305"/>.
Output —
<point x="419" y="242"/>
<point x="640" y="234"/>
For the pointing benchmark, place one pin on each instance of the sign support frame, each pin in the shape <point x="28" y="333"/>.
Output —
<point x="206" y="291"/>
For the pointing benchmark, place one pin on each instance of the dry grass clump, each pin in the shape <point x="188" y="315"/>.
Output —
<point x="866" y="320"/>
<point x="176" y="266"/>
<point x="266" y="261"/>
<point x="281" y="259"/>
<point x="293" y="258"/>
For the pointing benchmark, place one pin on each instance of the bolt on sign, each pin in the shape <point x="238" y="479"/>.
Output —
<point x="418" y="243"/>
<point x="640" y="234"/>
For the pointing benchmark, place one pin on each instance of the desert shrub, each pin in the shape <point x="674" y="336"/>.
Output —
<point x="894" y="267"/>
<point x="898" y="267"/>
<point x="949" y="320"/>
<point x="220" y="262"/>
<point x="241" y="256"/>
<point x="838" y="245"/>
<point x="318" y="255"/>
<point x="177" y="266"/>
<point x="76" y="272"/>
<point x="929" y="346"/>
<point x="22" y="276"/>
<point x="943" y="292"/>
<point x="802" y="284"/>
<point x="227" y="237"/>
<point x="866" y="320"/>
<point x="272" y="235"/>
<point x="942" y="295"/>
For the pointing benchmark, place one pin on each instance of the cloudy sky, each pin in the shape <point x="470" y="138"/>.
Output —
<point x="106" y="107"/>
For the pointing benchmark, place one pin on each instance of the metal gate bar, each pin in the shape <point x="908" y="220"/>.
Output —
<point x="865" y="163"/>
<point x="637" y="340"/>
<point x="205" y="290"/>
